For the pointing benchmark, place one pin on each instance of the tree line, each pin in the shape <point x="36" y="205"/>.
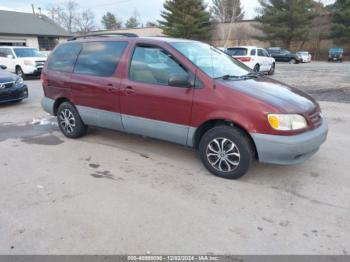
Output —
<point x="283" y="21"/>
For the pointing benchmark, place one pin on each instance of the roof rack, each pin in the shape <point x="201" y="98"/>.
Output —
<point x="103" y="35"/>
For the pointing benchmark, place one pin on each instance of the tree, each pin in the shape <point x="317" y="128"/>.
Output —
<point x="186" y="19"/>
<point x="85" y="22"/>
<point x="110" y="21"/>
<point x="341" y="22"/>
<point x="227" y="11"/>
<point x="133" y="21"/>
<point x="69" y="18"/>
<point x="285" y="20"/>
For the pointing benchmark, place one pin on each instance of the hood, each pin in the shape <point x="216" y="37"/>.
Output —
<point x="286" y="98"/>
<point x="6" y="76"/>
<point x="36" y="58"/>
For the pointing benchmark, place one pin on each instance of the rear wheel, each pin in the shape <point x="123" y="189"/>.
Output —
<point x="293" y="61"/>
<point x="69" y="121"/>
<point x="226" y="152"/>
<point x="257" y="68"/>
<point x="272" y="69"/>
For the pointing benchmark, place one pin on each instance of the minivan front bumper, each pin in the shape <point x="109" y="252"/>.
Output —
<point x="289" y="150"/>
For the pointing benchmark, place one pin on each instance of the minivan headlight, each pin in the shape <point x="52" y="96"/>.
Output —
<point x="287" y="122"/>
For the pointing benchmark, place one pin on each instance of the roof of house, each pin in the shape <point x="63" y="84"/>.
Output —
<point x="17" y="23"/>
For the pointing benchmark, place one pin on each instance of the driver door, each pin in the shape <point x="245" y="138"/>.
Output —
<point x="149" y="106"/>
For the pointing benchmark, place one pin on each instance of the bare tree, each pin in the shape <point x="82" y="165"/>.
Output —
<point x="69" y="18"/>
<point x="229" y="12"/>
<point x="85" y="21"/>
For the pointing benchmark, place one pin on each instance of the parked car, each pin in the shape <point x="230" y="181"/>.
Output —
<point x="305" y="56"/>
<point x="335" y="54"/>
<point x="283" y="55"/>
<point x="22" y="60"/>
<point x="185" y="92"/>
<point x="254" y="57"/>
<point x="12" y="87"/>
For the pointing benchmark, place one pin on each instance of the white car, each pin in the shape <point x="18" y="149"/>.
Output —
<point x="254" y="57"/>
<point x="22" y="60"/>
<point x="305" y="56"/>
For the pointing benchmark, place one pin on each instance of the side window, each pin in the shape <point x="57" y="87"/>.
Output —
<point x="153" y="65"/>
<point x="265" y="53"/>
<point x="64" y="57"/>
<point x="253" y="52"/>
<point x="260" y="52"/>
<point x="2" y="52"/>
<point x="99" y="58"/>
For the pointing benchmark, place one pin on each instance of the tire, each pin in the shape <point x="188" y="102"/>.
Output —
<point x="19" y="72"/>
<point x="239" y="151"/>
<point x="257" y="68"/>
<point x="272" y="69"/>
<point x="293" y="61"/>
<point x="69" y="121"/>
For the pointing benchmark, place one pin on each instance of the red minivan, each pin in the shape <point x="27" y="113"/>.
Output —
<point x="185" y="92"/>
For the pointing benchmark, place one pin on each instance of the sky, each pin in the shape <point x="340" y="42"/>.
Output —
<point x="148" y="10"/>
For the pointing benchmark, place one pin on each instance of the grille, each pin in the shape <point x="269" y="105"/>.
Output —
<point x="39" y="63"/>
<point x="316" y="118"/>
<point x="6" y="85"/>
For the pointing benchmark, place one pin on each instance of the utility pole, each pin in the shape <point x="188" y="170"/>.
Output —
<point x="33" y="9"/>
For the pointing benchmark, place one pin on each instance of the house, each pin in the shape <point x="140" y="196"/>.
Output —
<point x="33" y="30"/>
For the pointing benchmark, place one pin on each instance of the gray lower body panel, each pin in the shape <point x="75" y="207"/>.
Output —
<point x="157" y="129"/>
<point x="100" y="118"/>
<point x="48" y="105"/>
<point x="289" y="150"/>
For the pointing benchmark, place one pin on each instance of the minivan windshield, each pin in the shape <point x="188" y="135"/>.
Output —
<point x="212" y="61"/>
<point x="28" y="52"/>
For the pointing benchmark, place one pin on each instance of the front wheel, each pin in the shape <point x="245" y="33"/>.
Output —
<point x="293" y="61"/>
<point x="19" y="72"/>
<point x="69" y="121"/>
<point x="226" y="152"/>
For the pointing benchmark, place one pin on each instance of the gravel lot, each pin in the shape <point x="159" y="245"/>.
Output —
<point x="112" y="193"/>
<point x="325" y="81"/>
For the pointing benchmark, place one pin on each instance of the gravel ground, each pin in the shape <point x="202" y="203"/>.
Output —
<point x="324" y="81"/>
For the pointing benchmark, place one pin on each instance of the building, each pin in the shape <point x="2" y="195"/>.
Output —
<point x="33" y="30"/>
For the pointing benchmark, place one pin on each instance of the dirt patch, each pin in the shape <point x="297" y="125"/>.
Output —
<point x="47" y="140"/>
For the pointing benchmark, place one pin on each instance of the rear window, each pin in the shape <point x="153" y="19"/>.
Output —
<point x="99" y="58"/>
<point x="64" y="57"/>
<point x="237" y="51"/>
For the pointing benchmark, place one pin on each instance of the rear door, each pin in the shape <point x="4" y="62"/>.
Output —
<point x="95" y="84"/>
<point x="264" y="60"/>
<point x="150" y="106"/>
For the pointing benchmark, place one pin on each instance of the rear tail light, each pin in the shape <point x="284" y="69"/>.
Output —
<point x="244" y="59"/>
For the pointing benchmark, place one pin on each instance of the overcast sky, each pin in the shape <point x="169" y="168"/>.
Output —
<point x="148" y="9"/>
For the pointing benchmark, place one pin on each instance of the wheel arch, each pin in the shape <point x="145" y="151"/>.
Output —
<point x="58" y="102"/>
<point x="206" y="126"/>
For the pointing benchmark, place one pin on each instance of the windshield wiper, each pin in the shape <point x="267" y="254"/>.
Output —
<point x="252" y="75"/>
<point x="227" y="77"/>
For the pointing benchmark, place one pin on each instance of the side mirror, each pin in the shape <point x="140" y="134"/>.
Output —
<point x="10" y="56"/>
<point x="179" y="80"/>
<point x="3" y="67"/>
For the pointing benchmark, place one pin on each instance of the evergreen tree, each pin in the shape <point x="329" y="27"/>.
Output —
<point x="133" y="21"/>
<point x="186" y="19"/>
<point x="110" y="21"/>
<point x="341" y="22"/>
<point x="227" y="11"/>
<point x="285" y="20"/>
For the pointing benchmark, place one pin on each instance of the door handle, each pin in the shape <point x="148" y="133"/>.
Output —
<point x="129" y="90"/>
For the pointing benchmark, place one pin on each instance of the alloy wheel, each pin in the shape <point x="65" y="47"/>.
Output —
<point x="223" y="154"/>
<point x="67" y="121"/>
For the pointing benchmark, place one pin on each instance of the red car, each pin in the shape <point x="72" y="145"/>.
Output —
<point x="185" y="92"/>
